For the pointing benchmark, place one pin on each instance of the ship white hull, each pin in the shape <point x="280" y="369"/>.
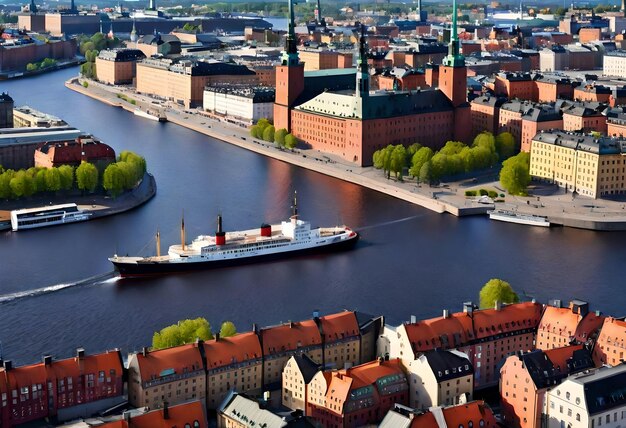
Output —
<point x="526" y="219"/>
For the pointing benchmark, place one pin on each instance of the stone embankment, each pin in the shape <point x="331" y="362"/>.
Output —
<point x="449" y="199"/>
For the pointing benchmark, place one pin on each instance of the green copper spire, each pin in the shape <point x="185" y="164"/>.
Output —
<point x="290" y="55"/>
<point x="454" y="58"/>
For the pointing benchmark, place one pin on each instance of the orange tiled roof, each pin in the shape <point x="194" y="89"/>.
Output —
<point x="179" y="359"/>
<point x="518" y="316"/>
<point x="288" y="337"/>
<point x="178" y="416"/>
<point x="26" y="375"/>
<point x="338" y="390"/>
<point x="230" y="350"/>
<point x="425" y="420"/>
<point x="559" y="356"/>
<point x="589" y="325"/>
<point x="473" y="411"/>
<point x="559" y="320"/>
<point x="613" y="331"/>
<point x="369" y="373"/>
<point x="426" y="335"/>
<point x="339" y="326"/>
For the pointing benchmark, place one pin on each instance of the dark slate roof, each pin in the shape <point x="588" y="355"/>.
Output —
<point x="588" y="143"/>
<point x="158" y="39"/>
<point x="542" y="113"/>
<point x="540" y="368"/>
<point x="605" y="389"/>
<point x="307" y="367"/>
<point x="447" y="365"/>
<point x="392" y="104"/>
<point x="121" y="55"/>
<point x="489" y="100"/>
<point x="316" y="82"/>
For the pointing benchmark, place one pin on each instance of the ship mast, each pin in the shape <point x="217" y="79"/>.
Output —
<point x="158" y="243"/>
<point x="294" y="207"/>
<point x="182" y="232"/>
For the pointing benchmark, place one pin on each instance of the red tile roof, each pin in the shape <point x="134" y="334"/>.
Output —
<point x="291" y="336"/>
<point x="457" y="416"/>
<point x="230" y="350"/>
<point x="427" y="334"/>
<point x="177" y="359"/>
<point x="509" y="318"/>
<point x="72" y="152"/>
<point x="613" y="332"/>
<point x="559" y="356"/>
<point x="178" y="416"/>
<point x="339" y="326"/>
<point x="566" y="323"/>
<point x="589" y="326"/>
<point x="369" y="373"/>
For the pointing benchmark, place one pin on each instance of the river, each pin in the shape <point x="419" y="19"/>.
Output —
<point x="409" y="261"/>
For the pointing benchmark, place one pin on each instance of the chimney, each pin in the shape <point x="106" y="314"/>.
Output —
<point x="598" y="313"/>
<point x="145" y="351"/>
<point x="446" y="313"/>
<point x="47" y="360"/>
<point x="316" y="313"/>
<point x="80" y="353"/>
<point x="255" y="328"/>
<point x="217" y="337"/>
<point x="166" y="411"/>
<point x="199" y="342"/>
<point x="498" y="305"/>
<point x="8" y="365"/>
<point x="126" y="416"/>
<point x="468" y="307"/>
<point x="290" y="324"/>
<point x="556" y="303"/>
<point x="413" y="319"/>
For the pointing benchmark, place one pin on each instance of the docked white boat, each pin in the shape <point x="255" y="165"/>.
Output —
<point x="31" y="218"/>
<point x="519" y="218"/>
<point x="149" y="114"/>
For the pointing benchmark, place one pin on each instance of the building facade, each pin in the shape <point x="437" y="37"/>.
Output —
<point x="248" y="104"/>
<point x="118" y="66"/>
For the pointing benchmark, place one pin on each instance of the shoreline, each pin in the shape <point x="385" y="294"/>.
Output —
<point x="99" y="205"/>
<point x="442" y="199"/>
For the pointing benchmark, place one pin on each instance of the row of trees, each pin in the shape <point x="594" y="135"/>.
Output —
<point x="46" y="63"/>
<point x="27" y="182"/>
<point x="515" y="174"/>
<point x="266" y="131"/>
<point x="187" y="331"/>
<point x="123" y="174"/>
<point x="454" y="158"/>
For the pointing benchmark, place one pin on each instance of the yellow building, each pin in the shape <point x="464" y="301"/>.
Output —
<point x="175" y="375"/>
<point x="183" y="80"/>
<point x="117" y="66"/>
<point x="232" y="363"/>
<point x="297" y="375"/>
<point x="589" y="166"/>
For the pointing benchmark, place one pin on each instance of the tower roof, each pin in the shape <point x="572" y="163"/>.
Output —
<point x="454" y="58"/>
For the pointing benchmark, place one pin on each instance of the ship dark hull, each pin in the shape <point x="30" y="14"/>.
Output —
<point x="142" y="269"/>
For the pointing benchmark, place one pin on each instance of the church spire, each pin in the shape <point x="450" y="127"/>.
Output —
<point x="290" y="55"/>
<point x="33" y="6"/>
<point x="454" y="58"/>
<point x="362" y="72"/>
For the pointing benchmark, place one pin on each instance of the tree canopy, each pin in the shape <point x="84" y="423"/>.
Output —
<point x="290" y="141"/>
<point x="497" y="290"/>
<point x="505" y="145"/>
<point x="87" y="177"/>
<point x="186" y="331"/>
<point x="227" y="329"/>
<point x="515" y="174"/>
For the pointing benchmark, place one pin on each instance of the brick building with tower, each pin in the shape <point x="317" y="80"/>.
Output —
<point x="353" y="124"/>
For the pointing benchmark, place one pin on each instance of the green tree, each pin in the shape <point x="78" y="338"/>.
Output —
<point x="279" y="136"/>
<point x="377" y="159"/>
<point x="515" y="174"/>
<point x="22" y="184"/>
<point x="290" y="141"/>
<point x="452" y="148"/>
<point x="186" y="331"/>
<point x="497" y="290"/>
<point x="67" y="177"/>
<point x="262" y="124"/>
<point x="53" y="180"/>
<point x="386" y="154"/>
<point x="420" y="157"/>
<point x="485" y="139"/>
<point x="410" y="152"/>
<point x="87" y="177"/>
<point x="227" y="329"/>
<point x="505" y="145"/>
<point x="40" y="180"/>
<point x="268" y="133"/>
<point x="5" y="184"/>
<point x="254" y="131"/>
<point x="398" y="160"/>
<point x="113" y="179"/>
<point x="31" y="66"/>
<point x="425" y="175"/>
<point x="468" y="159"/>
<point x="439" y="166"/>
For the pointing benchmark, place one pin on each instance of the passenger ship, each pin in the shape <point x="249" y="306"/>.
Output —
<point x="52" y="215"/>
<point x="269" y="242"/>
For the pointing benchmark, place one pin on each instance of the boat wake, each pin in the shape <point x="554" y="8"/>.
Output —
<point x="388" y="223"/>
<point x="97" y="279"/>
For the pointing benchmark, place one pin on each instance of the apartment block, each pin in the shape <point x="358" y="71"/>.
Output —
<point x="566" y="326"/>
<point x="297" y="376"/>
<point x="172" y="375"/>
<point x="610" y="346"/>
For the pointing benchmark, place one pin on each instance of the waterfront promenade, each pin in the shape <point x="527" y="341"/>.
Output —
<point x="559" y="208"/>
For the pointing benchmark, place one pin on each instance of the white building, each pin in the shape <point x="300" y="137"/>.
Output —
<point x="592" y="399"/>
<point x="614" y="64"/>
<point x="248" y="104"/>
